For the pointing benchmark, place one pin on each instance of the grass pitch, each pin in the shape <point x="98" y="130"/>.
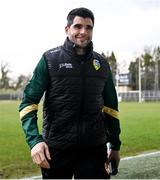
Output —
<point x="15" y="160"/>
<point x="140" y="125"/>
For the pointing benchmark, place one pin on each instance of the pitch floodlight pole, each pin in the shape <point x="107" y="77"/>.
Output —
<point x="117" y="77"/>
<point x="139" y="80"/>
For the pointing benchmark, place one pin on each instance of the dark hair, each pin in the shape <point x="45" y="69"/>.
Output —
<point x="82" y="12"/>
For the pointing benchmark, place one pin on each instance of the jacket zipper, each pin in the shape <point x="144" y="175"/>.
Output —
<point x="83" y="78"/>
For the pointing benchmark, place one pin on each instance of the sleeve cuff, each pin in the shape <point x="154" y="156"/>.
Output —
<point x="113" y="147"/>
<point x="35" y="141"/>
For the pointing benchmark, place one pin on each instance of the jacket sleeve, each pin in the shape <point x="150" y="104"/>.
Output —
<point x="28" y="108"/>
<point x="110" y="111"/>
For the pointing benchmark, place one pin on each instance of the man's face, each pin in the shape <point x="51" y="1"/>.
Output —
<point x="80" y="32"/>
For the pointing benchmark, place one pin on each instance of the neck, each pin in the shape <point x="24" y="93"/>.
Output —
<point x="80" y="51"/>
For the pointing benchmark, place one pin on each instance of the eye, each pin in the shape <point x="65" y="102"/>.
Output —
<point x="80" y="26"/>
<point x="77" y="26"/>
<point x="89" y="27"/>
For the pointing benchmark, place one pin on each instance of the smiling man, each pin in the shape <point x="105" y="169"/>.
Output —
<point x="80" y="32"/>
<point x="80" y="110"/>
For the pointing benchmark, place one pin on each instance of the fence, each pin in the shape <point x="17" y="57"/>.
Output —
<point x="123" y="96"/>
<point x="11" y="96"/>
<point x="134" y="96"/>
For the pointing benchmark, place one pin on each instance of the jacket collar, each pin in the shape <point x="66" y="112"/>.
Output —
<point x="70" y="48"/>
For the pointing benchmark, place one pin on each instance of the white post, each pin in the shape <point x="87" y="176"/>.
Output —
<point x="117" y="79"/>
<point x="139" y="80"/>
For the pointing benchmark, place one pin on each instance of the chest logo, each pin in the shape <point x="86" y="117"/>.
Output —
<point x="66" y="65"/>
<point x="96" y="64"/>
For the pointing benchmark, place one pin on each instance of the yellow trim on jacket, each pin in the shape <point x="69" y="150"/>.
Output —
<point x="111" y="112"/>
<point x="28" y="109"/>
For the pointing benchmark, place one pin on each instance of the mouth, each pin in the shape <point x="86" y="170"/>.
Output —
<point x="82" y="39"/>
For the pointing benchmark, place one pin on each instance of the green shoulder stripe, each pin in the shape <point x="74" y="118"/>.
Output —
<point x="111" y="112"/>
<point x="28" y="109"/>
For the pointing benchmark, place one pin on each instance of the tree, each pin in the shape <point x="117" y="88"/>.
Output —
<point x="10" y="83"/>
<point x="148" y="68"/>
<point x="22" y="81"/>
<point x="113" y="64"/>
<point x="156" y="57"/>
<point x="133" y="71"/>
<point x="4" y="80"/>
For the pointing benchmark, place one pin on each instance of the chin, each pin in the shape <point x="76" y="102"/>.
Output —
<point x="82" y="45"/>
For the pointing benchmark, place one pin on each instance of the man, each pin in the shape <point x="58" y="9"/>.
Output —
<point x="80" y="111"/>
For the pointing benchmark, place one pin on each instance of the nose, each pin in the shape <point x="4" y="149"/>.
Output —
<point x="83" y="30"/>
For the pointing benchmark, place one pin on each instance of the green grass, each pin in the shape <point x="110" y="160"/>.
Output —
<point x="15" y="158"/>
<point x="140" y="125"/>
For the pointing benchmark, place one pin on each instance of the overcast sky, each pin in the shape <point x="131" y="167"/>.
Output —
<point x="30" y="27"/>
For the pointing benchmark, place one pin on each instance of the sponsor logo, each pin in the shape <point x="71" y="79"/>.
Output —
<point x="66" y="65"/>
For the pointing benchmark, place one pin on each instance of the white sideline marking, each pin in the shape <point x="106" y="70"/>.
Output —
<point x="141" y="155"/>
<point x="123" y="159"/>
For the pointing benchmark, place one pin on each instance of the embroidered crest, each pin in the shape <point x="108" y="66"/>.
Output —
<point x="96" y="64"/>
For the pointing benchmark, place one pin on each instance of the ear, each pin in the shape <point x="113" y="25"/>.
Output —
<point x="66" y="29"/>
